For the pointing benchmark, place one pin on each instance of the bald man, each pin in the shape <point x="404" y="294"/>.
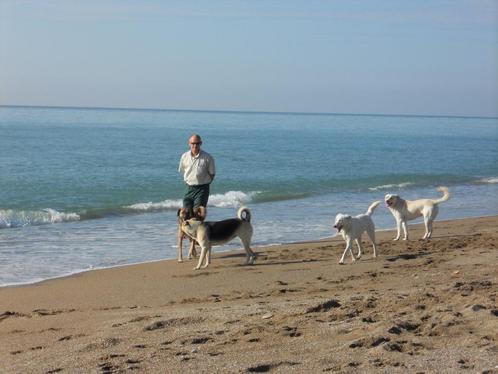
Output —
<point x="198" y="170"/>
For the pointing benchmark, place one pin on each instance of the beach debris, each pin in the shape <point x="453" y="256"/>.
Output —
<point x="357" y="343"/>
<point x="267" y="316"/>
<point x="408" y="325"/>
<point x="478" y="307"/>
<point x="394" y="330"/>
<point x="379" y="341"/>
<point x="371" y="302"/>
<point x="393" y="347"/>
<point x="324" y="307"/>
<point x="264" y="368"/>
<point x="290" y="331"/>
<point x="8" y="314"/>
<point x="155" y="326"/>
<point x="173" y="322"/>
<point x="201" y="340"/>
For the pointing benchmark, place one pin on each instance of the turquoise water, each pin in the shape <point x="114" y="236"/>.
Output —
<point x="93" y="188"/>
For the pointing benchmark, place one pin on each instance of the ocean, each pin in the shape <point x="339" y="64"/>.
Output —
<point x="85" y="188"/>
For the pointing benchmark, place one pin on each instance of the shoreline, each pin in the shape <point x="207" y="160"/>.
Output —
<point x="321" y="240"/>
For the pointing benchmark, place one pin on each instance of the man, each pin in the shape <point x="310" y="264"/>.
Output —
<point x="198" y="172"/>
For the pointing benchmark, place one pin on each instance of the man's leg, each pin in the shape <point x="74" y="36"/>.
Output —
<point x="201" y="196"/>
<point x="189" y="197"/>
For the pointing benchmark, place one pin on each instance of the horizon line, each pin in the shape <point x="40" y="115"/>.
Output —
<point x="245" y="111"/>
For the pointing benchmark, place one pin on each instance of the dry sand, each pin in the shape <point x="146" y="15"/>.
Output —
<point x="420" y="307"/>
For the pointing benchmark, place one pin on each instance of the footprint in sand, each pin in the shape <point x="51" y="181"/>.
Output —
<point x="290" y="331"/>
<point x="58" y="370"/>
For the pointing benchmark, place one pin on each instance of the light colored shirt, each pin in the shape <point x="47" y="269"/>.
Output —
<point x="198" y="169"/>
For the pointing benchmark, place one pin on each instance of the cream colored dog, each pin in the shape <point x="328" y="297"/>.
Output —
<point x="406" y="210"/>
<point x="352" y="228"/>
<point x="208" y="234"/>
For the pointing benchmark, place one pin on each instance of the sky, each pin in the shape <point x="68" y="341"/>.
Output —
<point x="437" y="57"/>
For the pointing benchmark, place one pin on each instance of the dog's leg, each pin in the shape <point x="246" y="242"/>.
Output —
<point x="426" y="225"/>
<point x="430" y="220"/>
<point x="208" y="257"/>
<point x="398" y="227"/>
<point x="192" y="252"/>
<point x="349" y="247"/>
<point x="180" y="244"/>
<point x="358" y="243"/>
<point x="250" y="255"/>
<point x="204" y="250"/>
<point x="405" y="229"/>
<point x="371" y="235"/>
<point x="429" y="228"/>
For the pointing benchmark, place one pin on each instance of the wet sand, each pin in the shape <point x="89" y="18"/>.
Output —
<point x="420" y="307"/>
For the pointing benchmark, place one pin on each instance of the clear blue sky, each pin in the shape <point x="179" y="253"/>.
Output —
<point x="340" y="56"/>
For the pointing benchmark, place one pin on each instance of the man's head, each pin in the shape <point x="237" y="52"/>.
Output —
<point x="195" y="143"/>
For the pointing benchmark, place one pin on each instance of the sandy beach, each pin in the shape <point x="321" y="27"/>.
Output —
<point x="420" y="307"/>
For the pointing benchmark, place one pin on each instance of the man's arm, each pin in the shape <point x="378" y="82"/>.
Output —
<point x="211" y="169"/>
<point x="181" y="169"/>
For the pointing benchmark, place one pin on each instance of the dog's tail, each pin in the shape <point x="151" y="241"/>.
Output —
<point x="445" y="197"/>
<point x="371" y="208"/>
<point x="244" y="214"/>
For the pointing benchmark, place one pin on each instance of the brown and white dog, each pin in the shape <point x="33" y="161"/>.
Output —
<point x="208" y="234"/>
<point x="185" y="214"/>
<point x="406" y="210"/>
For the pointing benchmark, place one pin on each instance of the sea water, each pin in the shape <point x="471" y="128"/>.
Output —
<point x="84" y="188"/>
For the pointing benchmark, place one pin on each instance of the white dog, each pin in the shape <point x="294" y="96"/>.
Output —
<point x="406" y="210"/>
<point x="208" y="234"/>
<point x="352" y="228"/>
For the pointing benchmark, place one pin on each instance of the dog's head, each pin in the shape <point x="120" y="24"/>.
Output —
<point x="185" y="214"/>
<point x="190" y="226"/>
<point x="391" y="200"/>
<point x="342" y="222"/>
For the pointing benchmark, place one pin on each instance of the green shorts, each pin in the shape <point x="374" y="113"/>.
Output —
<point x="196" y="196"/>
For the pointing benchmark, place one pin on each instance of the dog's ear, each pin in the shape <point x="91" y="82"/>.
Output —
<point x="200" y="213"/>
<point x="179" y="211"/>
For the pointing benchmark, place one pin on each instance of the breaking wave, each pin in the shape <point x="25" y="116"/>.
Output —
<point x="493" y="180"/>
<point x="390" y="186"/>
<point x="11" y="218"/>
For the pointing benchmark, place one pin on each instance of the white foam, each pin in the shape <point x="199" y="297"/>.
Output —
<point x="388" y="186"/>
<point x="493" y="180"/>
<point x="18" y="218"/>
<point x="150" y="206"/>
<point x="228" y="199"/>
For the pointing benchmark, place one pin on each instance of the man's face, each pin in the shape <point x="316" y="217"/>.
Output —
<point x="195" y="145"/>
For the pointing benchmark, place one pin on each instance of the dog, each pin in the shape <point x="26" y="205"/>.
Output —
<point x="352" y="228"/>
<point x="406" y="210"/>
<point x="183" y="215"/>
<point x="208" y="234"/>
